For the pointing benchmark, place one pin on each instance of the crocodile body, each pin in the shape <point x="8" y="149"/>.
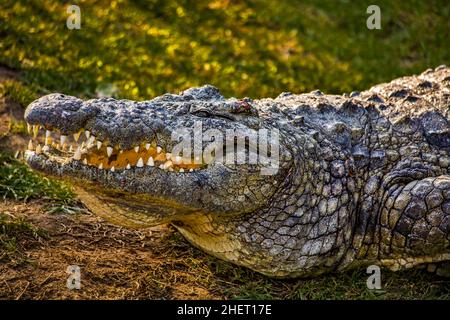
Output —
<point x="362" y="178"/>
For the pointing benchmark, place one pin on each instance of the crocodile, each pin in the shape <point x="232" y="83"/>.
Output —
<point x="360" y="179"/>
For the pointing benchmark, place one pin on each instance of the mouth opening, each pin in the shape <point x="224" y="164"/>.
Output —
<point x="83" y="147"/>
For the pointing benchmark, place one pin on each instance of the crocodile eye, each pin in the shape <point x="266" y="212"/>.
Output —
<point x="202" y="113"/>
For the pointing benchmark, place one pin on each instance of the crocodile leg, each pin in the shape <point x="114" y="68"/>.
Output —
<point x="415" y="224"/>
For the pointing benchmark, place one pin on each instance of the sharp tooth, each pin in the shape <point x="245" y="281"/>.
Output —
<point x="100" y="166"/>
<point x="177" y="160"/>
<point x="77" y="155"/>
<point x="99" y="144"/>
<point x="121" y="151"/>
<point x="161" y="166"/>
<point x="190" y="170"/>
<point x="17" y="154"/>
<point x="85" y="161"/>
<point x="158" y="149"/>
<point x="150" y="162"/>
<point x="140" y="163"/>
<point x="87" y="134"/>
<point x="112" y="169"/>
<point x="63" y="139"/>
<point x="109" y="151"/>
<point x="70" y="148"/>
<point x="90" y="142"/>
<point x="38" y="149"/>
<point x="64" y="147"/>
<point x="147" y="146"/>
<point x="181" y="170"/>
<point x="168" y="156"/>
<point x="76" y="136"/>
<point x="30" y="145"/>
<point x="48" y="140"/>
<point x="168" y="164"/>
<point x="29" y="128"/>
<point x="35" y="130"/>
<point x="128" y="167"/>
<point x="136" y="149"/>
<point x="45" y="148"/>
<point x="47" y="133"/>
<point x="83" y="145"/>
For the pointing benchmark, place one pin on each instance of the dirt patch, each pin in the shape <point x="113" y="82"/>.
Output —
<point x="8" y="73"/>
<point x="115" y="263"/>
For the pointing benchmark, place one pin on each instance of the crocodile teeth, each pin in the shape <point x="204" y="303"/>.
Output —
<point x="100" y="166"/>
<point x="121" y="151"/>
<point x="136" y="149"/>
<point x="63" y="139"/>
<point x="45" y="148"/>
<point x="48" y="140"/>
<point x="47" y="133"/>
<point x="140" y="163"/>
<point x="161" y="166"/>
<point x="190" y="170"/>
<point x="70" y="148"/>
<point x="158" y="149"/>
<point x="76" y="136"/>
<point x="181" y="170"/>
<point x="109" y="151"/>
<point x="30" y="145"/>
<point x="150" y="162"/>
<point x="91" y="141"/>
<point x="147" y="146"/>
<point x="177" y="160"/>
<point x="112" y="169"/>
<point x="87" y="134"/>
<point x="35" y="130"/>
<point x="38" y="149"/>
<point x="168" y="156"/>
<point x="77" y="155"/>
<point x="99" y="145"/>
<point x="128" y="167"/>
<point x="168" y="164"/>
<point x="29" y="128"/>
<point x="85" y="162"/>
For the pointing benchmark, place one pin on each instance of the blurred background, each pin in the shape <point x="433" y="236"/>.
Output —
<point x="140" y="49"/>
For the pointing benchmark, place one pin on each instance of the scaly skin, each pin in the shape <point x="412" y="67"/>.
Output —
<point x="363" y="179"/>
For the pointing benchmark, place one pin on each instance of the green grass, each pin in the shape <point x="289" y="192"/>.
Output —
<point x="18" y="182"/>
<point x="139" y="49"/>
<point x="15" y="235"/>
<point x="17" y="92"/>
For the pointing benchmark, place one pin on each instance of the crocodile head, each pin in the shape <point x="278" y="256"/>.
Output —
<point x="153" y="162"/>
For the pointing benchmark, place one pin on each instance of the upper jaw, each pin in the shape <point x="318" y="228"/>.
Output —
<point x="104" y="133"/>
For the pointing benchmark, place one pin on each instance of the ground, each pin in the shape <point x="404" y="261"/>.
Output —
<point x="257" y="49"/>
